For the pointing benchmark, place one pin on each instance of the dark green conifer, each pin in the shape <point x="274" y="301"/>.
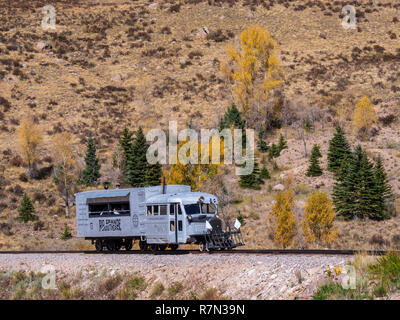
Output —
<point x="368" y="198"/>
<point x="262" y="146"/>
<point x="314" y="170"/>
<point x="27" y="210"/>
<point x="91" y="172"/>
<point x="233" y="118"/>
<point x="252" y="180"/>
<point x="338" y="149"/>
<point x="274" y="151"/>
<point x="125" y="142"/>
<point x="383" y="189"/>
<point x="343" y="194"/>
<point x="66" y="233"/>
<point x="358" y="191"/>
<point x="282" y="143"/>
<point x="153" y="174"/>
<point x="136" y="161"/>
<point x="264" y="173"/>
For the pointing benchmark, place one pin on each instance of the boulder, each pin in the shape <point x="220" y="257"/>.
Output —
<point x="154" y="6"/>
<point x="203" y="32"/>
<point x="278" y="187"/>
<point x="375" y="131"/>
<point x="41" y="45"/>
<point x="117" y="78"/>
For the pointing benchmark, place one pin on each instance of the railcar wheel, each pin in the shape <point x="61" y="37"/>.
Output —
<point x="112" y="246"/>
<point x="142" y="245"/>
<point x="154" y="247"/>
<point x="99" y="245"/>
<point x="202" y="246"/>
<point x="128" y="245"/>
<point x="162" y="247"/>
<point x="174" y="246"/>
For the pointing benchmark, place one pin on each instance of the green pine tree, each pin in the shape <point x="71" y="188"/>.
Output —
<point x="233" y="118"/>
<point x="357" y="192"/>
<point x="274" y="151"/>
<point x="125" y="142"/>
<point x="137" y="162"/>
<point x="282" y="143"/>
<point x="383" y="189"/>
<point x="241" y="219"/>
<point x="262" y="146"/>
<point x="368" y="197"/>
<point x="343" y="194"/>
<point x="252" y="180"/>
<point x="91" y="172"/>
<point x="338" y="149"/>
<point x="153" y="174"/>
<point x="264" y="173"/>
<point x="27" y="210"/>
<point x="66" y="233"/>
<point x="314" y="170"/>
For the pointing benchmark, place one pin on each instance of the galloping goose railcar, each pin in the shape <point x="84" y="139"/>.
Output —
<point x="159" y="217"/>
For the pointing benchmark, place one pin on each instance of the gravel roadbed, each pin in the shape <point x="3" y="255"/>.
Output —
<point x="238" y="276"/>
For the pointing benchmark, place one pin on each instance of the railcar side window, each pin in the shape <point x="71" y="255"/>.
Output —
<point x="179" y="209"/>
<point x="179" y="225"/>
<point x="155" y="210"/>
<point x="171" y="209"/>
<point x="110" y="209"/>
<point x="163" y="210"/>
<point x="149" y="210"/>
<point x="172" y="225"/>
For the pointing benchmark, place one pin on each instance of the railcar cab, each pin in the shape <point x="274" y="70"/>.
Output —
<point x="178" y="218"/>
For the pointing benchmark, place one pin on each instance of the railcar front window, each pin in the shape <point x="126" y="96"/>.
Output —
<point x="192" y="209"/>
<point x="208" y="208"/>
<point x="212" y="208"/>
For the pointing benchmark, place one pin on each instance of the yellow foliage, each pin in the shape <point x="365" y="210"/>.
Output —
<point x="63" y="147"/>
<point x="29" y="138"/>
<point x="318" y="220"/>
<point x="364" y="116"/>
<point x="283" y="219"/>
<point x="254" y="69"/>
<point x="194" y="174"/>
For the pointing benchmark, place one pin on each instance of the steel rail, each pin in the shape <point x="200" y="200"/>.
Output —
<point x="239" y="251"/>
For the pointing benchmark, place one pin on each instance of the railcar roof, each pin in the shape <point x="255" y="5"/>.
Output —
<point x="100" y="193"/>
<point x="188" y="197"/>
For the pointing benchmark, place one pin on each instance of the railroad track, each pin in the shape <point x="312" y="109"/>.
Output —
<point x="181" y="252"/>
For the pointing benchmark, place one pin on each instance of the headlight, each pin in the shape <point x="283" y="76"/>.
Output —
<point x="189" y="218"/>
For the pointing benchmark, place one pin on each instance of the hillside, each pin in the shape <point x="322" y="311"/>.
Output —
<point x="115" y="64"/>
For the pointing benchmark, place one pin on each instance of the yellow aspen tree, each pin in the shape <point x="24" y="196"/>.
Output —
<point x="364" y="117"/>
<point x="65" y="171"/>
<point x="254" y="69"/>
<point x="283" y="220"/>
<point x="29" y="139"/>
<point x="193" y="174"/>
<point x="318" y="221"/>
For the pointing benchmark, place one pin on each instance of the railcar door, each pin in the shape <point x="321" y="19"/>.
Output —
<point x="175" y="223"/>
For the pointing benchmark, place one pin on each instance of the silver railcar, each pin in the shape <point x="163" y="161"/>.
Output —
<point x="158" y="217"/>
